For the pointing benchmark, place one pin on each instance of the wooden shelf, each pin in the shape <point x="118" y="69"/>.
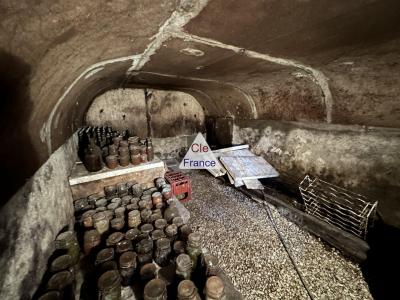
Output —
<point x="84" y="183"/>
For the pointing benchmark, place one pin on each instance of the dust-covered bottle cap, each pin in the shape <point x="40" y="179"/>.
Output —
<point x="61" y="263"/>
<point x="154" y="288"/>
<point x="108" y="280"/>
<point x="183" y="262"/>
<point x="114" y="238"/>
<point x="104" y="255"/>
<point x="186" y="289"/>
<point x="60" y="280"/>
<point x="215" y="287"/>
<point x="127" y="260"/>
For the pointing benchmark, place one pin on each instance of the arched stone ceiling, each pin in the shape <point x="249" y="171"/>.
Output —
<point x="249" y="59"/>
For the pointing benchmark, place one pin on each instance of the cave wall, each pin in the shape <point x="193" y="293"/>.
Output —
<point x="173" y="117"/>
<point x="168" y="113"/>
<point x="174" y="114"/>
<point x="287" y="95"/>
<point x="359" y="149"/>
<point x="307" y="84"/>
<point x="121" y="109"/>
<point x="317" y="61"/>
<point x="365" y="85"/>
<point x="30" y="222"/>
<point x="362" y="159"/>
<point x="267" y="59"/>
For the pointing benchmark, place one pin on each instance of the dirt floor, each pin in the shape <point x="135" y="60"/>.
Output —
<point x="240" y="233"/>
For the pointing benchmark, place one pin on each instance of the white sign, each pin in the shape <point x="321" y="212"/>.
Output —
<point x="200" y="156"/>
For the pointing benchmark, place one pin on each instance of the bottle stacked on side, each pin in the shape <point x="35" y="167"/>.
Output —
<point x="137" y="238"/>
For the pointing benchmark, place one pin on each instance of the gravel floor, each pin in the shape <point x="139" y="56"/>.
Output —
<point x="239" y="232"/>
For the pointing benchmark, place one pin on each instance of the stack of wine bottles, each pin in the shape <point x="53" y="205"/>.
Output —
<point x="102" y="135"/>
<point x="137" y="238"/>
<point x="59" y="280"/>
<point x="104" y="145"/>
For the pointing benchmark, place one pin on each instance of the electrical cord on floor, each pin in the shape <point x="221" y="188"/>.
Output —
<point x="269" y="214"/>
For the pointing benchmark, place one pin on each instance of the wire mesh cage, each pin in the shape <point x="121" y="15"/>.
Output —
<point x="349" y="211"/>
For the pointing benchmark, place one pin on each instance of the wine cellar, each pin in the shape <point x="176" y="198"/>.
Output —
<point x="199" y="149"/>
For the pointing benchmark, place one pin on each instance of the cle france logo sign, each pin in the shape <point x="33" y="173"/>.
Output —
<point x="200" y="156"/>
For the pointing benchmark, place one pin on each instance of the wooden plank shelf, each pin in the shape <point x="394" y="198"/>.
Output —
<point x="84" y="183"/>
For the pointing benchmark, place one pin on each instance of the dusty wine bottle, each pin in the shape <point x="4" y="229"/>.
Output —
<point x="184" y="232"/>
<point x="120" y="212"/>
<point x="145" y="215"/>
<point x="51" y="295"/>
<point x="92" y="159"/>
<point x="155" y="289"/>
<point x="111" y="161"/>
<point x="171" y="231"/>
<point x="184" y="266"/>
<point x="91" y="239"/>
<point x="68" y="241"/>
<point x="157" y="234"/>
<point x="100" y="222"/>
<point x="61" y="263"/>
<point x="148" y="272"/>
<point x="159" y="182"/>
<point x="105" y="261"/>
<point x="210" y="265"/>
<point x="179" y="247"/>
<point x="145" y="251"/>
<point x="87" y="218"/>
<point x="149" y="149"/>
<point x="157" y="199"/>
<point x="62" y="282"/>
<point x="123" y="246"/>
<point x="114" y="238"/>
<point x="117" y="223"/>
<point x="193" y="247"/>
<point x="187" y="291"/>
<point x="134" y="218"/>
<point x="132" y="235"/>
<point x="127" y="267"/>
<point x="163" y="250"/>
<point x="160" y="224"/>
<point x="109" y="286"/>
<point x="215" y="289"/>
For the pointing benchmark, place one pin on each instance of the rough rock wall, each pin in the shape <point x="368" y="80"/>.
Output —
<point x="365" y="86"/>
<point x="56" y="56"/>
<point x="362" y="159"/>
<point x="287" y="95"/>
<point x="174" y="114"/>
<point x="30" y="222"/>
<point x="172" y="147"/>
<point x="44" y="47"/>
<point x="173" y="117"/>
<point x="121" y="109"/>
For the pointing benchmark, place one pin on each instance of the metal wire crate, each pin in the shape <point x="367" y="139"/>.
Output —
<point x="344" y="209"/>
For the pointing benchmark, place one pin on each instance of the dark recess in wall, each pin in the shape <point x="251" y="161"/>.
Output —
<point x="16" y="106"/>
<point x="383" y="261"/>
<point x="219" y="131"/>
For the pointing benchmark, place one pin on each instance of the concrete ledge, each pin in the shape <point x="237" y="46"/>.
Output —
<point x="81" y="175"/>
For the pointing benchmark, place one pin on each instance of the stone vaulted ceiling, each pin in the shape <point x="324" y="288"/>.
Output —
<point x="296" y="60"/>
